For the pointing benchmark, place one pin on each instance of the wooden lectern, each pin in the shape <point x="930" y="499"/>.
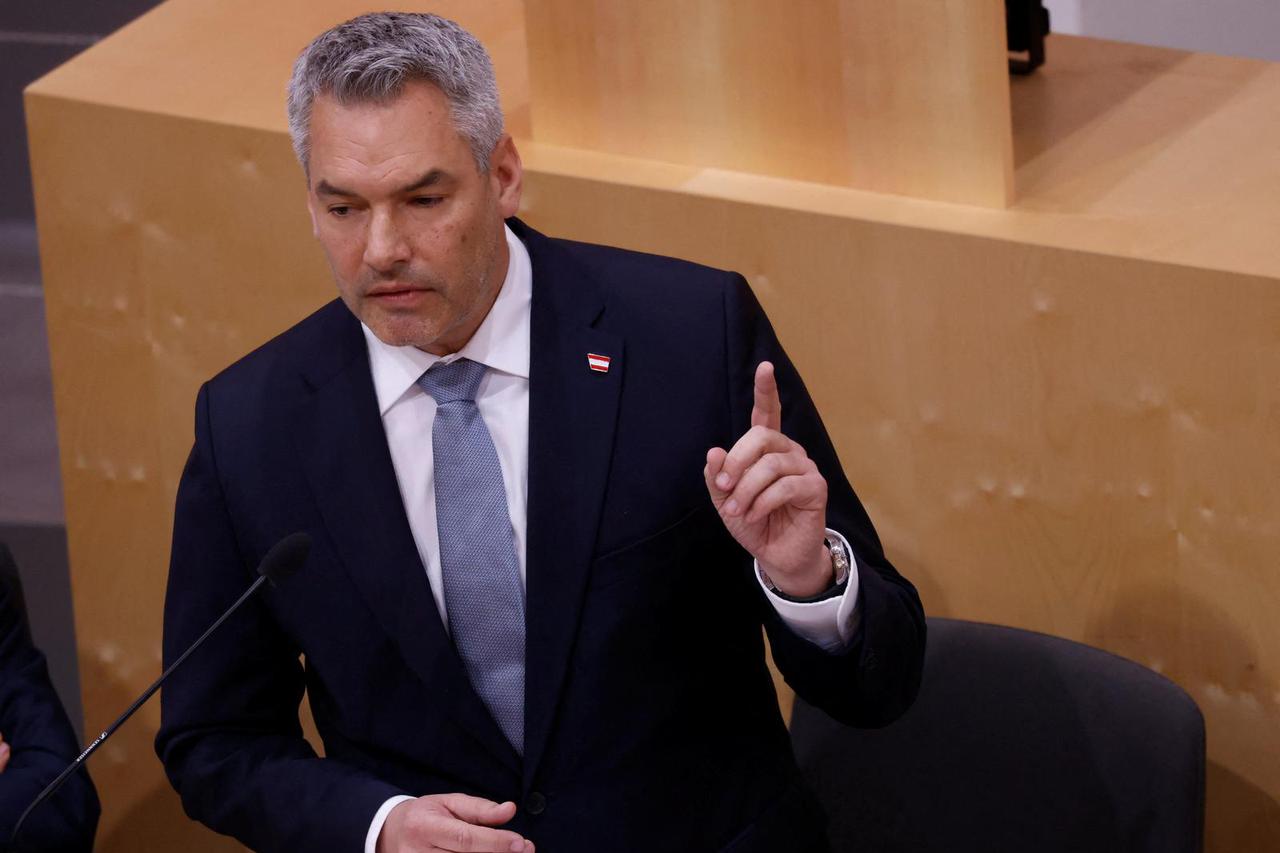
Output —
<point x="909" y="97"/>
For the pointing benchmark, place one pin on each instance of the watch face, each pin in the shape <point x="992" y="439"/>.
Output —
<point x="839" y="560"/>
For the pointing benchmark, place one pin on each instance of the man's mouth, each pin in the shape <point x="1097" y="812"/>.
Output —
<point x="396" y="294"/>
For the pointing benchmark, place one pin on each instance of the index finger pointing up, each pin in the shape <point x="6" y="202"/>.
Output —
<point x="767" y="411"/>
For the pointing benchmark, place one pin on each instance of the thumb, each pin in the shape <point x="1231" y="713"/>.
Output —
<point x="477" y="810"/>
<point x="715" y="464"/>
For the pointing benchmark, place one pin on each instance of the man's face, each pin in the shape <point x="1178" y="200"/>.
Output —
<point x="412" y="229"/>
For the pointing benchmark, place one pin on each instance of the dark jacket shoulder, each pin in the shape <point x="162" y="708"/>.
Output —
<point x="328" y="338"/>
<point x="638" y="291"/>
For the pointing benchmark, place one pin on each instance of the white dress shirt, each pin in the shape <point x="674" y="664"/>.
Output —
<point x="501" y="343"/>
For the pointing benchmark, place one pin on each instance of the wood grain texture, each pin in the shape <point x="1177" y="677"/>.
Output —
<point x="228" y="61"/>
<point x="909" y="97"/>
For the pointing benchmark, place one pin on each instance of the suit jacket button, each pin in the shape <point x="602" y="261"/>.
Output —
<point x="535" y="803"/>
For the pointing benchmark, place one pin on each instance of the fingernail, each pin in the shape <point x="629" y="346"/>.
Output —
<point x="517" y="846"/>
<point x="731" y="507"/>
<point x="724" y="480"/>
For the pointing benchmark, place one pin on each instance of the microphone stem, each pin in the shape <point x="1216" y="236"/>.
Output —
<point x="53" y="786"/>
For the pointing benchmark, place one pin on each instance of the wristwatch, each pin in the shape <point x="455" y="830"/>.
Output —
<point x="841" y="564"/>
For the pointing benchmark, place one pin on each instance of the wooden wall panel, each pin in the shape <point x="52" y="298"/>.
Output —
<point x="228" y="61"/>
<point x="156" y="275"/>
<point x="1059" y="440"/>
<point x="909" y="97"/>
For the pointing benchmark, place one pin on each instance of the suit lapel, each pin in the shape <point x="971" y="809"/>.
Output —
<point x="572" y="418"/>
<point x="343" y="450"/>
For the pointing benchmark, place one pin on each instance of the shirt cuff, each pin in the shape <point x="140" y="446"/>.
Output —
<point x="828" y="624"/>
<point x="379" y="818"/>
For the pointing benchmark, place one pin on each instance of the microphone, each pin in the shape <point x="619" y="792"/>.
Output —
<point x="284" y="558"/>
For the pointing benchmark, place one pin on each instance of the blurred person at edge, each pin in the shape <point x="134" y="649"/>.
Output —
<point x="36" y="740"/>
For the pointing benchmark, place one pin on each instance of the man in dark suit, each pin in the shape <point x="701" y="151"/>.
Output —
<point x="536" y="474"/>
<point x="37" y="741"/>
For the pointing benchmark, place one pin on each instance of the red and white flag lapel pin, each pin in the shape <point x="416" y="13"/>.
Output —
<point x="598" y="363"/>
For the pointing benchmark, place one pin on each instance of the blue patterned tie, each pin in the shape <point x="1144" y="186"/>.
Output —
<point x="482" y="589"/>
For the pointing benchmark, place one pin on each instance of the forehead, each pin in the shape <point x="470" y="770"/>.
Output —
<point x="414" y="130"/>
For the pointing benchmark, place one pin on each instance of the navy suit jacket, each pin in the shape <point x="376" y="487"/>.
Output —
<point x="651" y="721"/>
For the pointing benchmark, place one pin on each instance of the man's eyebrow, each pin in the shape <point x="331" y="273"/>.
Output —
<point x="326" y="188"/>
<point x="430" y="179"/>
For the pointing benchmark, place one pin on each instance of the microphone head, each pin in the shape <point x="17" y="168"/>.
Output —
<point x="285" y="557"/>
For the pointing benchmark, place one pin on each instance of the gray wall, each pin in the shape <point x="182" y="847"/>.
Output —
<point x="1232" y="27"/>
<point x="35" y="37"/>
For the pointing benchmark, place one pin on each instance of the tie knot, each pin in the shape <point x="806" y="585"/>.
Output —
<point x="448" y="383"/>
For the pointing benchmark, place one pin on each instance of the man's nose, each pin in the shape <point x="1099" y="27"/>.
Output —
<point x="385" y="246"/>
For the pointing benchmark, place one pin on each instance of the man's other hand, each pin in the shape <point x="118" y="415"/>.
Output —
<point x="4" y="754"/>
<point x="455" y="823"/>
<point x="772" y="498"/>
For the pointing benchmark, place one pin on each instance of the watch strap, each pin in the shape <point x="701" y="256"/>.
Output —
<point x="840" y="565"/>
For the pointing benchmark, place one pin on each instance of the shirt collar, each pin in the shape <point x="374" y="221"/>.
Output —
<point x="500" y="343"/>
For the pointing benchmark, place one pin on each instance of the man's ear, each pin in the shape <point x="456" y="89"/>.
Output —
<point x="507" y="172"/>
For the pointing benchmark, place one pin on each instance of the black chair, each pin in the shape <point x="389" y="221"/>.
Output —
<point x="1018" y="741"/>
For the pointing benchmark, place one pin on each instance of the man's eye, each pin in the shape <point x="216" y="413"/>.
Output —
<point x="340" y="210"/>
<point x="427" y="201"/>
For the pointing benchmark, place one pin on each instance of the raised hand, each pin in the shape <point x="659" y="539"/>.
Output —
<point x="772" y="498"/>
<point x="455" y="823"/>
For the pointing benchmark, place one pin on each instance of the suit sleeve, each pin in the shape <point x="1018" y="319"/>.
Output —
<point x="230" y="738"/>
<point x="876" y="676"/>
<point x="40" y="736"/>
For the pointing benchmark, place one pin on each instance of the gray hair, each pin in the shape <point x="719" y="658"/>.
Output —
<point x="370" y="58"/>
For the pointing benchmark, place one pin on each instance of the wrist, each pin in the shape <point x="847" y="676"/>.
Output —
<point x="817" y="577"/>
<point x="384" y="828"/>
